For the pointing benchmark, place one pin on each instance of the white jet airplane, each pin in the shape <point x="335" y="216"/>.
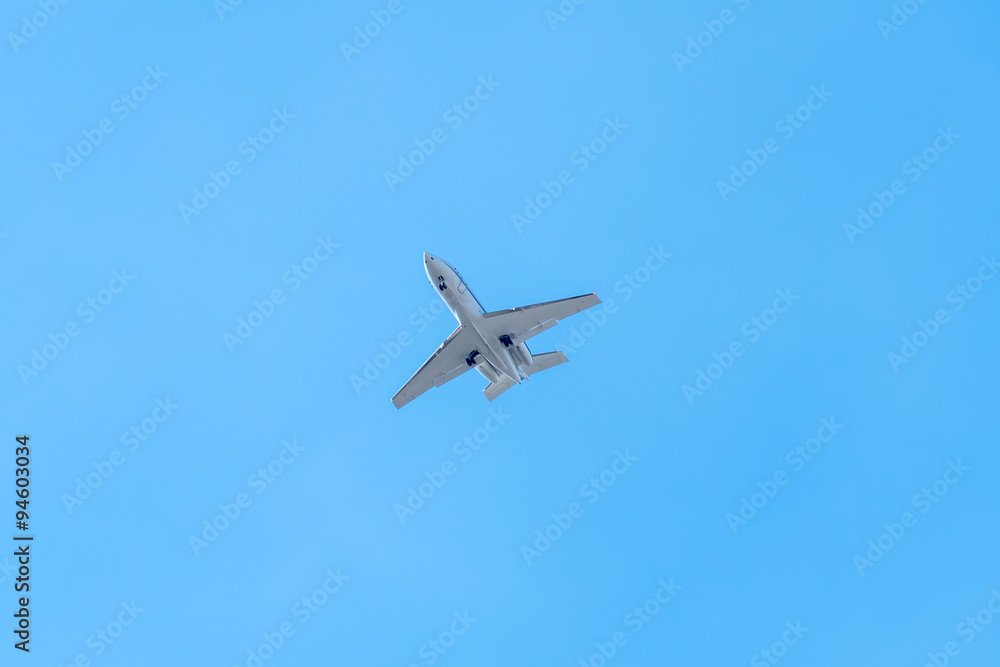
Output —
<point x="492" y="343"/>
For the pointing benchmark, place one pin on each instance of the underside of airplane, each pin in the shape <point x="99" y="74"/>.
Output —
<point x="492" y="343"/>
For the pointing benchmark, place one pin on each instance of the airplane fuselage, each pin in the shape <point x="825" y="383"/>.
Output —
<point x="493" y="357"/>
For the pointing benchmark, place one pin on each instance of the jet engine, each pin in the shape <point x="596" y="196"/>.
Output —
<point x="486" y="370"/>
<point x="519" y="351"/>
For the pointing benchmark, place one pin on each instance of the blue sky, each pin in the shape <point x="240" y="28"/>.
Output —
<point x="777" y="434"/>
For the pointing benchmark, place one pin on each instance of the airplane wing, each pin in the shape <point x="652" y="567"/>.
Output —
<point x="447" y="363"/>
<point x="527" y="321"/>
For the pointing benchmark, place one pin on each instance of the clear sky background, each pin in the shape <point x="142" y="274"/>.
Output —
<point x="672" y="516"/>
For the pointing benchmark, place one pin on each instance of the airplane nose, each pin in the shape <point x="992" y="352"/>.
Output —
<point x="427" y="258"/>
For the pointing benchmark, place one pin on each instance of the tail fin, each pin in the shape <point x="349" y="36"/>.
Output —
<point x="544" y="361"/>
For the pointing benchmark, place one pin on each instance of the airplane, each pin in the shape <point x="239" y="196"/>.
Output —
<point x="492" y="343"/>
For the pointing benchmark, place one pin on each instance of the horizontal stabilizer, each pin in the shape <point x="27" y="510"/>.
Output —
<point x="494" y="389"/>
<point x="544" y="361"/>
